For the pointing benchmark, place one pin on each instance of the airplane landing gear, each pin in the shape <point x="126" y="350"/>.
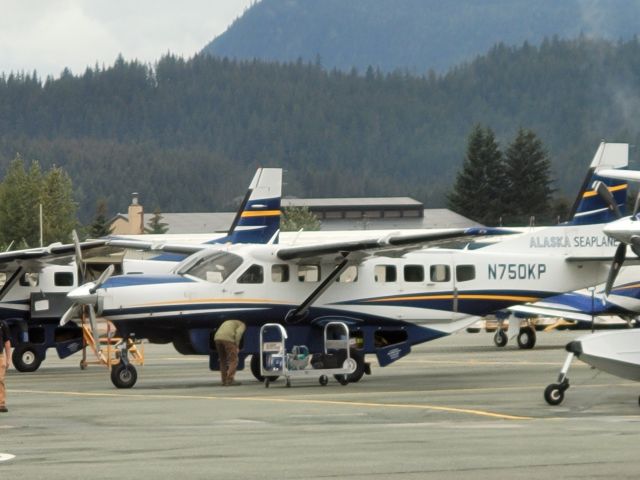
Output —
<point x="527" y="337"/>
<point x="124" y="376"/>
<point x="554" y="393"/>
<point x="26" y="358"/>
<point x="500" y="338"/>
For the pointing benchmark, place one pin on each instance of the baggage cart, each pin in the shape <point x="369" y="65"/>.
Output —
<point x="275" y="361"/>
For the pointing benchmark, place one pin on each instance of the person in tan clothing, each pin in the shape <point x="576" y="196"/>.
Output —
<point x="5" y="362"/>
<point x="227" y="340"/>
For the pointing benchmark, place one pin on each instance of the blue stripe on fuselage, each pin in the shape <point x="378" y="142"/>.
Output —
<point x="147" y="279"/>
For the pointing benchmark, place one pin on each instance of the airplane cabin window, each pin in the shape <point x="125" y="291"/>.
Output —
<point x="29" y="280"/>
<point x="440" y="273"/>
<point x="214" y="267"/>
<point x="309" y="273"/>
<point x="63" y="279"/>
<point x="413" y="273"/>
<point x="280" y="273"/>
<point x="385" y="273"/>
<point x="348" y="275"/>
<point x="253" y="274"/>
<point x="464" y="273"/>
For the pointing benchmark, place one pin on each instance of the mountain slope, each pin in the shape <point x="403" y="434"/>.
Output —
<point x="416" y="35"/>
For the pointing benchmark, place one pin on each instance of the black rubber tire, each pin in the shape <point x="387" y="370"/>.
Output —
<point x="124" y="376"/>
<point x="527" y="338"/>
<point x="323" y="380"/>
<point x="26" y="358"/>
<point x="357" y="375"/>
<point x="554" y="394"/>
<point x="500" y="338"/>
<point x="342" y="379"/>
<point x="254" y="365"/>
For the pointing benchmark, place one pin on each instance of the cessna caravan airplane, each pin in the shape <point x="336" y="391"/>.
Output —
<point x="618" y="352"/>
<point x="391" y="292"/>
<point x="34" y="295"/>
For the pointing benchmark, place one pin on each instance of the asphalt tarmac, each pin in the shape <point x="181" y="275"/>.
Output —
<point x="455" y="408"/>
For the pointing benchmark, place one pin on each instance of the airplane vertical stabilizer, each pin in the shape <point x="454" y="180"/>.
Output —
<point x="258" y="218"/>
<point x="589" y="207"/>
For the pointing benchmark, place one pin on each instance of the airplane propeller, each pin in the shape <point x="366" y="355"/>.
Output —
<point x="85" y="296"/>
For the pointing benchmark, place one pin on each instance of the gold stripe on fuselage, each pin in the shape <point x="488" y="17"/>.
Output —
<point x="261" y="213"/>
<point x="593" y="193"/>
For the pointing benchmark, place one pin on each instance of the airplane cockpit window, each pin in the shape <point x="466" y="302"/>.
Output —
<point x="63" y="279"/>
<point x="348" y="275"/>
<point x="464" y="273"/>
<point x="440" y="273"/>
<point x="280" y="273"/>
<point x="213" y="267"/>
<point x="309" y="273"/>
<point x="413" y="273"/>
<point x="385" y="273"/>
<point x="30" y="280"/>
<point x="253" y="274"/>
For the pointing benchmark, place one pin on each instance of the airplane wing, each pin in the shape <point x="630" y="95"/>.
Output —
<point x="35" y="258"/>
<point x="551" y="312"/>
<point x="388" y="245"/>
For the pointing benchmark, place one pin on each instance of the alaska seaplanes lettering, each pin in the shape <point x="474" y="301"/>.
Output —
<point x="564" y="241"/>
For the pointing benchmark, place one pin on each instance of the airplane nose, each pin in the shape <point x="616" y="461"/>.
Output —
<point x="84" y="294"/>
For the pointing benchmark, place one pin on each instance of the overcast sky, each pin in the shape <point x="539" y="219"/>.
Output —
<point x="49" y="35"/>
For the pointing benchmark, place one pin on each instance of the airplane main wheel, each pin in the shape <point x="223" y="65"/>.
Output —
<point x="26" y="358"/>
<point x="527" y="338"/>
<point x="500" y="338"/>
<point x="554" y="394"/>
<point x="124" y="376"/>
<point x="255" y="370"/>
<point x="357" y="374"/>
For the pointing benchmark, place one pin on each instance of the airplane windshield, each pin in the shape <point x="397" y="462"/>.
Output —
<point x="213" y="267"/>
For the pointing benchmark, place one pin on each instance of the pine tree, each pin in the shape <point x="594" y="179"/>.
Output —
<point x="479" y="186"/>
<point x="156" y="225"/>
<point x="100" y="226"/>
<point x="528" y="189"/>
<point x="59" y="208"/>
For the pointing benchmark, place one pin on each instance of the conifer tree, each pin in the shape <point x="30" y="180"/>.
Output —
<point x="528" y="190"/>
<point x="156" y="225"/>
<point x="59" y="208"/>
<point x="479" y="186"/>
<point x="100" y="226"/>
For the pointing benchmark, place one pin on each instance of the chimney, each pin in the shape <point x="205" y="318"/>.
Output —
<point x="136" y="216"/>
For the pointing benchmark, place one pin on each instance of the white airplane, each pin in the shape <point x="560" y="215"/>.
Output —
<point x="618" y="352"/>
<point x="34" y="295"/>
<point x="390" y="294"/>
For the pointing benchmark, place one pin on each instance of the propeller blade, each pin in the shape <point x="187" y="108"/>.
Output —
<point x="618" y="260"/>
<point x="69" y="314"/>
<point x="82" y="267"/>
<point x="635" y="244"/>
<point x="606" y="195"/>
<point x="94" y="326"/>
<point x="636" y="206"/>
<point x="104" y="276"/>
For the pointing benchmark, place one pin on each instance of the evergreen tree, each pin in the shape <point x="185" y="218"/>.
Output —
<point x="296" y="218"/>
<point x="59" y="208"/>
<point x="100" y="226"/>
<point x="479" y="186"/>
<point x="528" y="189"/>
<point x="155" y="224"/>
<point x="19" y="199"/>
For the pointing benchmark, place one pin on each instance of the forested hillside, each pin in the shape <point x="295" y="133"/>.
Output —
<point x="416" y="35"/>
<point x="187" y="134"/>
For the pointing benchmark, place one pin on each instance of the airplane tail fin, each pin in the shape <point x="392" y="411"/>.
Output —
<point x="590" y="207"/>
<point x="258" y="218"/>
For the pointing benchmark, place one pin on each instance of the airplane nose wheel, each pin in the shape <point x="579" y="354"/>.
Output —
<point x="500" y="338"/>
<point x="124" y="376"/>
<point x="554" y="393"/>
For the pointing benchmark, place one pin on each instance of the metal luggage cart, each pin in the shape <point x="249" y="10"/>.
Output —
<point x="276" y="361"/>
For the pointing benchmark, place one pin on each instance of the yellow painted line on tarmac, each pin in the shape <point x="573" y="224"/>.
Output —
<point x="406" y="406"/>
